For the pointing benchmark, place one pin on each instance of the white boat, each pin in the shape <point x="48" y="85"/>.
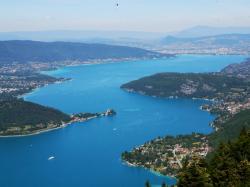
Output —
<point x="51" y="158"/>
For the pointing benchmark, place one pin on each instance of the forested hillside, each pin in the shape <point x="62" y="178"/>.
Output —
<point x="26" y="51"/>
<point x="18" y="116"/>
<point x="229" y="166"/>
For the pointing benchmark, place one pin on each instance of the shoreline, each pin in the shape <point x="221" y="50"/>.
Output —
<point x="107" y="61"/>
<point x="85" y="63"/>
<point x="94" y="62"/>
<point x="123" y="60"/>
<point x="172" y="98"/>
<point x="41" y="131"/>
<point x="175" y="98"/>
<point x="128" y="164"/>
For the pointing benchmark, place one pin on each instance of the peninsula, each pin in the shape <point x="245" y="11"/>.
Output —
<point x="20" y="65"/>
<point x="21" y="118"/>
<point x="229" y="89"/>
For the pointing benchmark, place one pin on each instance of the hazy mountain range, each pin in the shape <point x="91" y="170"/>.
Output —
<point x="78" y="36"/>
<point x="218" y="44"/>
<point x="232" y="40"/>
<point x="202" y="31"/>
<point x="89" y="35"/>
<point x="204" y="39"/>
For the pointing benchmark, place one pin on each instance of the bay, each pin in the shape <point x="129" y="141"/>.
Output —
<point x="88" y="154"/>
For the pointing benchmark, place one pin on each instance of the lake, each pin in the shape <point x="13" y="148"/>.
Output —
<point x="88" y="154"/>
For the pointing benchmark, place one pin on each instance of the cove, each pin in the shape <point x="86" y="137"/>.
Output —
<point x="88" y="154"/>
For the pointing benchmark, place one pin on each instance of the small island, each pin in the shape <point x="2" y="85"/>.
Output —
<point x="22" y="118"/>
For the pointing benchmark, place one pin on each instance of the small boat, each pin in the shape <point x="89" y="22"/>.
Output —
<point x="51" y="158"/>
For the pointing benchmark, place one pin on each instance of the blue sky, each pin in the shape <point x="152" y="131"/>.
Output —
<point x="131" y="15"/>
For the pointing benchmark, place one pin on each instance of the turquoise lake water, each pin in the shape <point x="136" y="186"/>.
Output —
<point x="88" y="154"/>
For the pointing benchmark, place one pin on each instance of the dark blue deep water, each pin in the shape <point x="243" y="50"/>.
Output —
<point x="88" y="154"/>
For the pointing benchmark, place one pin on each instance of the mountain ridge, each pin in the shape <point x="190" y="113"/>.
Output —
<point x="27" y="51"/>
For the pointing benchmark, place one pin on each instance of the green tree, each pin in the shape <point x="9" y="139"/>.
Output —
<point x="147" y="184"/>
<point x="163" y="184"/>
<point x="195" y="174"/>
<point x="230" y="164"/>
<point x="222" y="167"/>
